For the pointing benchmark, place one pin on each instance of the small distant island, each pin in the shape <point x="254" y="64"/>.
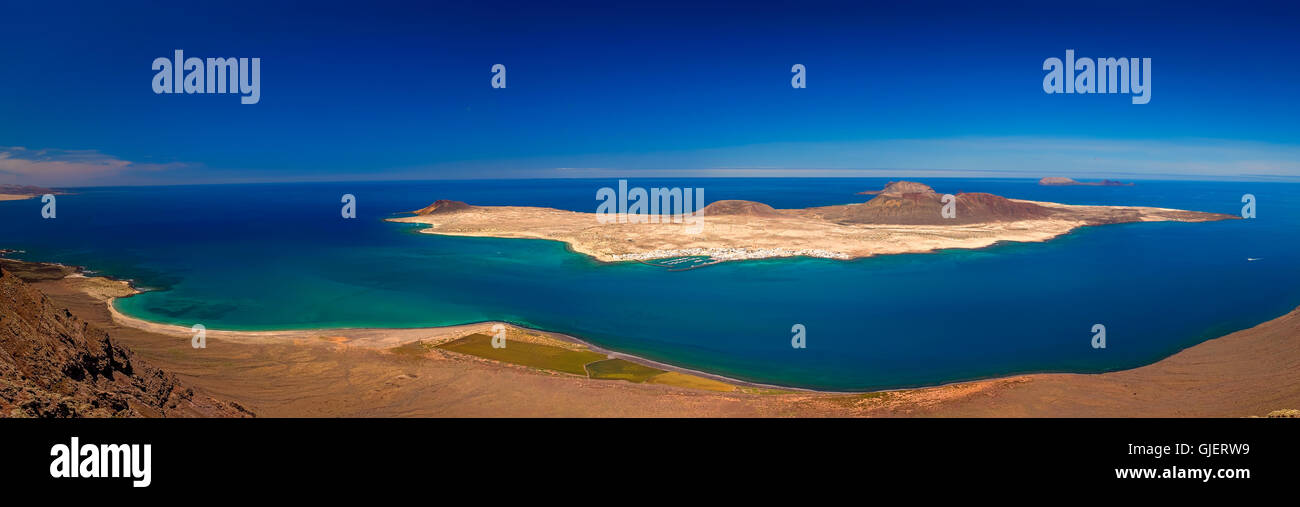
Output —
<point x="904" y="217"/>
<point x="20" y="192"/>
<point x="1057" y="181"/>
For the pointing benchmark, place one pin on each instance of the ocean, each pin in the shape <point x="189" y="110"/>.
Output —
<point x="280" y="256"/>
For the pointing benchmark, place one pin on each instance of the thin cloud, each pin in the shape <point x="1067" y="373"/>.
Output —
<point x="1014" y="157"/>
<point x="67" y="167"/>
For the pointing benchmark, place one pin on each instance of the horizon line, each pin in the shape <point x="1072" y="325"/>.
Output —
<point x="1200" y="179"/>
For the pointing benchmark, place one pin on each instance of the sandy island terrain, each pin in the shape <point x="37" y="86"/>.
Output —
<point x="22" y="192"/>
<point x="413" y="372"/>
<point x="905" y="217"/>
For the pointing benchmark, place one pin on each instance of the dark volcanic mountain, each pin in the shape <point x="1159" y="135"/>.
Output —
<point x="54" y="365"/>
<point x="442" y="206"/>
<point x="910" y="203"/>
<point x="901" y="187"/>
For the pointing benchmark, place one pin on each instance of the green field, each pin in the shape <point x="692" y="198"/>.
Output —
<point x="527" y="354"/>
<point x="618" y="369"/>
<point x="673" y="378"/>
<point x="576" y="361"/>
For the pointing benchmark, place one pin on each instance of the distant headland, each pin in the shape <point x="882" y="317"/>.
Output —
<point x="20" y="192"/>
<point x="1056" y="181"/>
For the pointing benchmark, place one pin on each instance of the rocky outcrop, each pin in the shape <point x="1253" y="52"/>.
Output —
<point x="54" y="365"/>
<point x="442" y="206"/>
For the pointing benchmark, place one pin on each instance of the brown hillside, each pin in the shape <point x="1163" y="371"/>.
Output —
<point x="54" y="365"/>
<point x="926" y="208"/>
<point x="735" y="207"/>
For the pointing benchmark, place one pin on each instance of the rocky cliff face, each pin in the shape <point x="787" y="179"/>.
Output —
<point x="54" y="365"/>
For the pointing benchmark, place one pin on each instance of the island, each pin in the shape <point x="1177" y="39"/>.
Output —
<point x="904" y="217"/>
<point x="1055" y="181"/>
<point x="20" y="192"/>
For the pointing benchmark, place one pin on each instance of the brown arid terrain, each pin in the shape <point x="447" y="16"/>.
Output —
<point x="419" y="373"/>
<point x="905" y="217"/>
<point x="52" y="364"/>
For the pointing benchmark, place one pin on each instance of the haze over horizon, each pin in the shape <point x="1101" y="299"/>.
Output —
<point x="665" y="90"/>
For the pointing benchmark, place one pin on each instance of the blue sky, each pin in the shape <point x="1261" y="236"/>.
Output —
<point x="392" y="91"/>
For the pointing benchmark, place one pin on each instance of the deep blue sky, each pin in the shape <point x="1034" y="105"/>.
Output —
<point x="382" y="91"/>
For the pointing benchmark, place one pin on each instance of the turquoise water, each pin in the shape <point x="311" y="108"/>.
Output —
<point x="280" y="257"/>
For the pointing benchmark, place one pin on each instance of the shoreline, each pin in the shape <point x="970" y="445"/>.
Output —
<point x="381" y="338"/>
<point x="461" y="330"/>
<point x="398" y="336"/>
<point x="1247" y="373"/>
<point x="440" y="334"/>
